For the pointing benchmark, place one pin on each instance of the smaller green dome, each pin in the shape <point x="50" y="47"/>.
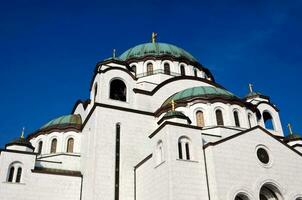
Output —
<point x="201" y="91"/>
<point x="63" y="121"/>
<point x="156" y="49"/>
<point x="20" y="142"/>
<point x="292" y="137"/>
<point x="174" y="113"/>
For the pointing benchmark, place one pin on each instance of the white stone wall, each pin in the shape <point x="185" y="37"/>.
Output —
<point x="35" y="186"/>
<point x="233" y="167"/>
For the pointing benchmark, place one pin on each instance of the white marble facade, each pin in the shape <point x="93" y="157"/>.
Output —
<point x="157" y="126"/>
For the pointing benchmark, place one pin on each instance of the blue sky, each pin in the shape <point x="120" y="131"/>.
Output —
<point x="48" y="50"/>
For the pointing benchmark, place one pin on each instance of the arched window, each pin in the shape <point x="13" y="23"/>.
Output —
<point x="269" y="192"/>
<point x="40" y="145"/>
<point x="95" y="92"/>
<point x="250" y="118"/>
<point x="118" y="90"/>
<point x="70" y="144"/>
<point x="11" y="174"/>
<point x="149" y="69"/>
<point x="241" y="197"/>
<point x="159" y="153"/>
<point x="268" y="120"/>
<point x="167" y="69"/>
<point x="219" y="118"/>
<point x="182" y="70"/>
<point x="53" y="147"/>
<point x="19" y="174"/>
<point x="236" y="118"/>
<point x="195" y="72"/>
<point x="199" y="119"/>
<point x="184" y="151"/>
<point x="133" y="68"/>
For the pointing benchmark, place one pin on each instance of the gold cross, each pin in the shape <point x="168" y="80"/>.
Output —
<point x="173" y="105"/>
<point x="251" y="87"/>
<point x="154" y="35"/>
<point x="290" y="129"/>
<point x="113" y="53"/>
<point x="22" y="134"/>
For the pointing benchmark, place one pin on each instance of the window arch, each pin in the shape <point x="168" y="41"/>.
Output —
<point x="159" y="152"/>
<point x="118" y="90"/>
<point x="199" y="119"/>
<point x="53" y="146"/>
<point x="250" y="119"/>
<point x="15" y="172"/>
<point x="133" y="68"/>
<point x="219" y="117"/>
<point x="195" y="72"/>
<point x="95" y="92"/>
<point x="40" y="146"/>
<point x="268" y="120"/>
<point x="182" y="70"/>
<point x="70" y="145"/>
<point x="149" y="69"/>
<point x="11" y="174"/>
<point x="236" y="118"/>
<point x="184" y="149"/>
<point x="19" y="174"/>
<point x="269" y="192"/>
<point x="241" y="197"/>
<point x="167" y="69"/>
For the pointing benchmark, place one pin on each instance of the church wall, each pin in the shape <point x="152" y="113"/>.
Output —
<point x="152" y="180"/>
<point x="233" y="167"/>
<point x="43" y="186"/>
<point x="34" y="186"/>
<point x="134" y="146"/>
<point x="188" y="177"/>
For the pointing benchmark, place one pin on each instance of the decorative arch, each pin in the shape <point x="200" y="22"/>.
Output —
<point x="270" y="192"/>
<point x="250" y="120"/>
<point x="95" y="92"/>
<point x="70" y="145"/>
<point x="199" y="118"/>
<point x="40" y="146"/>
<point x="184" y="148"/>
<point x="236" y="117"/>
<point x="133" y="68"/>
<point x="15" y="172"/>
<point x="159" y="152"/>
<point x="118" y="90"/>
<point x="241" y="196"/>
<point x="167" y="68"/>
<point x="53" y="145"/>
<point x="150" y="68"/>
<point x="268" y="120"/>
<point x="182" y="70"/>
<point x="219" y="117"/>
<point x="195" y="72"/>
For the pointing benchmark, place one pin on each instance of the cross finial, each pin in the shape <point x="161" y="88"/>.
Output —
<point x="22" y="133"/>
<point x="113" y="53"/>
<point x="173" y="105"/>
<point x="154" y="35"/>
<point x="251" y="88"/>
<point x="290" y="128"/>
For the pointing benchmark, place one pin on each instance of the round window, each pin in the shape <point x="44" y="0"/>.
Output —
<point x="262" y="155"/>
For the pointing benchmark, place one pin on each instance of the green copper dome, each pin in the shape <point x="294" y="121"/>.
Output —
<point x="201" y="91"/>
<point x="63" y="121"/>
<point x="156" y="49"/>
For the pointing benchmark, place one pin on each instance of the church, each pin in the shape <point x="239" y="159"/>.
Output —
<point x="157" y="126"/>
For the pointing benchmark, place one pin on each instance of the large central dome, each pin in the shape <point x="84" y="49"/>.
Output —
<point x="156" y="49"/>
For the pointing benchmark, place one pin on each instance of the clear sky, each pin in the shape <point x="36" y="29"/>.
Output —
<point x="48" y="50"/>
